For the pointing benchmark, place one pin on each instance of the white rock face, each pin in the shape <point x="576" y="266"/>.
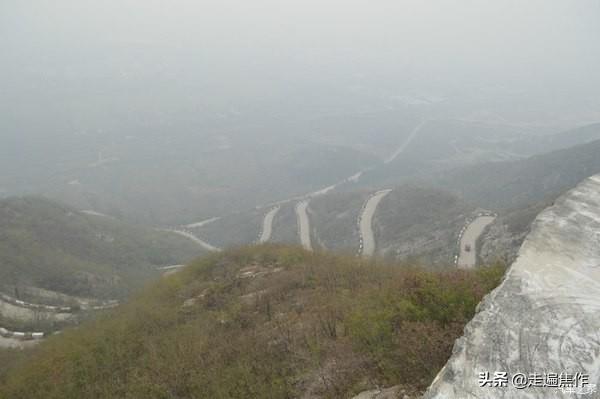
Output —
<point x="545" y="316"/>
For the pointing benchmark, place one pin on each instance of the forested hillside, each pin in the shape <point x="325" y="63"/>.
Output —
<point x="47" y="245"/>
<point x="515" y="184"/>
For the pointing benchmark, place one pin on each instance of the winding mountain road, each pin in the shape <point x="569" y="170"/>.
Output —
<point x="192" y="237"/>
<point x="367" y="237"/>
<point x="202" y="223"/>
<point x="15" y="343"/>
<point x="267" y="228"/>
<point x="467" y="257"/>
<point x="302" y="206"/>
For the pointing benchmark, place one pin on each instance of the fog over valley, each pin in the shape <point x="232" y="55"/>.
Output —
<point x="257" y="161"/>
<point x="214" y="107"/>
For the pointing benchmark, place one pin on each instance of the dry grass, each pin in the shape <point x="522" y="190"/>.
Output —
<point x="263" y="322"/>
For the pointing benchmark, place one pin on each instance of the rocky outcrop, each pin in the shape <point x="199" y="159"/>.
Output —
<point x="544" y="319"/>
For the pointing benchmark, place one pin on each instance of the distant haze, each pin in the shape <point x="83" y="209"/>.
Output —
<point x="280" y="48"/>
<point x="107" y="98"/>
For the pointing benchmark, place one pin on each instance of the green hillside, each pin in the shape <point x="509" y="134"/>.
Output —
<point x="262" y="322"/>
<point x="412" y="221"/>
<point x="516" y="184"/>
<point x="334" y="219"/>
<point x="232" y="230"/>
<point x="285" y="225"/>
<point x="535" y="145"/>
<point x="420" y="222"/>
<point x="47" y="245"/>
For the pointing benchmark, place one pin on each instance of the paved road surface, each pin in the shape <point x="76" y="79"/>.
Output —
<point x="404" y="145"/>
<point x="202" y="223"/>
<point x="267" y="228"/>
<point x="25" y="314"/>
<point x="168" y="270"/>
<point x="303" y="224"/>
<point x="468" y="259"/>
<point x="94" y="213"/>
<point x="367" y="237"/>
<point x="192" y="237"/>
<point x="302" y="217"/>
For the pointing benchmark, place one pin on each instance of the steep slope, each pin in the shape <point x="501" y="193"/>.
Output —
<point x="446" y="144"/>
<point x="518" y="189"/>
<point x="515" y="184"/>
<point x="262" y="322"/>
<point x="420" y="222"/>
<point x="285" y="225"/>
<point x="48" y="246"/>
<point x="505" y="236"/>
<point x="232" y="230"/>
<point x="544" y="317"/>
<point x="558" y="141"/>
<point x="335" y="220"/>
<point x="411" y="221"/>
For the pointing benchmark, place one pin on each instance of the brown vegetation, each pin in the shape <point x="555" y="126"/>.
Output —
<point x="263" y="322"/>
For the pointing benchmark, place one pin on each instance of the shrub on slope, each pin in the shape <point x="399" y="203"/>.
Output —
<point x="263" y="322"/>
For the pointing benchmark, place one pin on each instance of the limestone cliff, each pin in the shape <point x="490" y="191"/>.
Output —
<point x="545" y="316"/>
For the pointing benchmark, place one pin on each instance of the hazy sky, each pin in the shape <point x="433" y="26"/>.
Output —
<point x="531" y="34"/>
<point x="269" y="50"/>
<point x="80" y="76"/>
